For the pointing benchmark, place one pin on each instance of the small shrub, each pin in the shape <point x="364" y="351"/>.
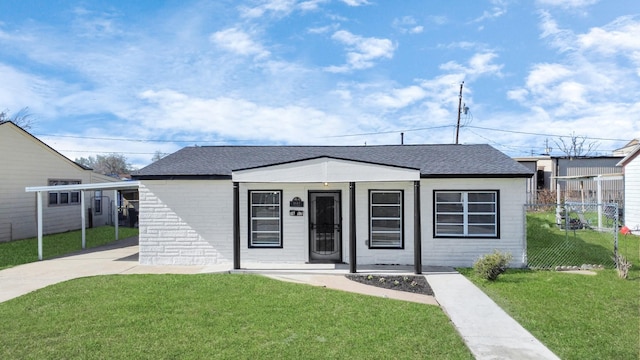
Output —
<point x="490" y="266"/>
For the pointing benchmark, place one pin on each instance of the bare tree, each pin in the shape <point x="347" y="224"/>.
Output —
<point x="157" y="156"/>
<point x="576" y="146"/>
<point x="112" y="164"/>
<point x="23" y="118"/>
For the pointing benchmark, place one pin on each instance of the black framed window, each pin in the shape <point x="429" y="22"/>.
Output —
<point x="64" y="197"/>
<point x="97" y="202"/>
<point x="386" y="222"/>
<point x="265" y="218"/>
<point x="466" y="214"/>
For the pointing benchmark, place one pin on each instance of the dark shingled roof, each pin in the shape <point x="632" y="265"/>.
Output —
<point x="431" y="160"/>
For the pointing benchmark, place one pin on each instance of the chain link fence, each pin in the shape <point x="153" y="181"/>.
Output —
<point x="572" y="235"/>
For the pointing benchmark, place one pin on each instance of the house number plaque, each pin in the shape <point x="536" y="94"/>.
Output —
<point x="296" y="202"/>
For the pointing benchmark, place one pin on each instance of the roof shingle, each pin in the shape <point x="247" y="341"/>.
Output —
<point x="432" y="160"/>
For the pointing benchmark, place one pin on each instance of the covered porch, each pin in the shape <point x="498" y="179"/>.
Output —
<point x="320" y="175"/>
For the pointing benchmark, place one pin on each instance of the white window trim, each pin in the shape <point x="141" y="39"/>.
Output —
<point x="400" y="231"/>
<point x="251" y="219"/>
<point x="465" y="213"/>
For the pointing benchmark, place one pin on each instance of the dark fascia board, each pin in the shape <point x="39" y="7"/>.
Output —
<point x="565" y="157"/>
<point x="327" y="157"/>
<point x="422" y="176"/>
<point x="475" y="176"/>
<point x="181" y="177"/>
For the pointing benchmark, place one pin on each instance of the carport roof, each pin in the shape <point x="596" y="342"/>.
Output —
<point x="431" y="160"/>
<point x="118" y="185"/>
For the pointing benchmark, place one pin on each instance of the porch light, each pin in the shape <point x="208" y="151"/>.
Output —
<point x="325" y="184"/>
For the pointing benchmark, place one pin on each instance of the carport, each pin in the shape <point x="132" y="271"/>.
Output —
<point x="115" y="186"/>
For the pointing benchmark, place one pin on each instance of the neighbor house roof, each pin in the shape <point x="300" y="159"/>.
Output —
<point x="630" y="156"/>
<point x="431" y="160"/>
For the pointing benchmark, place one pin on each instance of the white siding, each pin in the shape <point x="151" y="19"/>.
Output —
<point x="191" y="222"/>
<point x="632" y="194"/>
<point x="25" y="161"/>
<point x="186" y="222"/>
<point x="464" y="252"/>
<point x="325" y="170"/>
<point x="296" y="228"/>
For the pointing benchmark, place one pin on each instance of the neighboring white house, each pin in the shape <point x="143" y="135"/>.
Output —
<point x="631" y="168"/>
<point x="27" y="161"/>
<point x="397" y="204"/>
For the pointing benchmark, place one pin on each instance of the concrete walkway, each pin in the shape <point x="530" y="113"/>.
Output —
<point x="486" y="329"/>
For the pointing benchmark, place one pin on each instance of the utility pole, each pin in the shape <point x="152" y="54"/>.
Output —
<point x="459" y="112"/>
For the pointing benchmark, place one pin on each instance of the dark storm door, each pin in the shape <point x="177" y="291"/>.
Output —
<point x="325" y="227"/>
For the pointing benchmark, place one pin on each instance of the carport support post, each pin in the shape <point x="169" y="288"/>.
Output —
<point x="352" y="228"/>
<point x="236" y="226"/>
<point x="82" y="219"/>
<point x="417" y="229"/>
<point x="39" y="206"/>
<point x="115" y="213"/>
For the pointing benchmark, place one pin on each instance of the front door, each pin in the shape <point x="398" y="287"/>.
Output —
<point x="325" y="227"/>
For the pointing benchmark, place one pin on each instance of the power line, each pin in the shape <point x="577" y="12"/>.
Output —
<point x="143" y="140"/>
<point x="107" y="152"/>
<point x="539" y="134"/>
<point x="387" y="132"/>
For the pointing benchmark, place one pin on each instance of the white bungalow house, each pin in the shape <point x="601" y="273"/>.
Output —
<point x="26" y="161"/>
<point x="397" y="204"/>
<point x="631" y="169"/>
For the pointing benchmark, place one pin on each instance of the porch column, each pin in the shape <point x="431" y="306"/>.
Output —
<point x="236" y="226"/>
<point x="352" y="228"/>
<point x="83" y="220"/>
<point x="417" y="229"/>
<point x="116" y="219"/>
<point x="40" y="220"/>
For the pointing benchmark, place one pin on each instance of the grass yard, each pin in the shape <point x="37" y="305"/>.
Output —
<point x="576" y="316"/>
<point x="219" y="316"/>
<point x="25" y="251"/>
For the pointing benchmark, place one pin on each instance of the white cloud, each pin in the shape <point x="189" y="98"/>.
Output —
<point x="618" y="38"/>
<point x="239" y="42"/>
<point x="397" y="98"/>
<point x="408" y="25"/>
<point x="275" y="7"/>
<point x="311" y="5"/>
<point x="356" y="2"/>
<point x="478" y="64"/>
<point x="362" y="52"/>
<point x="235" y="118"/>
<point x="568" y="4"/>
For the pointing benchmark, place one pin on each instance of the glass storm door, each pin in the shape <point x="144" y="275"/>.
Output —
<point x="325" y="227"/>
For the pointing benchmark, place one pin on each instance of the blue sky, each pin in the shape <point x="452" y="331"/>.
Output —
<point x="136" y="77"/>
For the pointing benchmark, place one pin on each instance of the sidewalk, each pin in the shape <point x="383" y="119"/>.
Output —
<point x="486" y="329"/>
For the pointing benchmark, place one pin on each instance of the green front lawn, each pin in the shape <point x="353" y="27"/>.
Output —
<point x="25" y="251"/>
<point x="218" y="317"/>
<point x="577" y="316"/>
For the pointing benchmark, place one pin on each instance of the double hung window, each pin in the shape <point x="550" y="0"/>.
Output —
<point x="265" y="218"/>
<point x="466" y="213"/>
<point x="386" y="219"/>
